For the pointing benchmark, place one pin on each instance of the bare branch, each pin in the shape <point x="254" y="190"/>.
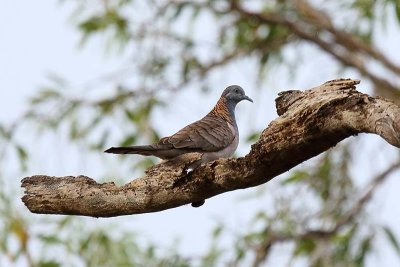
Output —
<point x="310" y="122"/>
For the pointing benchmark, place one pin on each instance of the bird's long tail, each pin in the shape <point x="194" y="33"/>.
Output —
<point x="141" y="150"/>
<point x="163" y="151"/>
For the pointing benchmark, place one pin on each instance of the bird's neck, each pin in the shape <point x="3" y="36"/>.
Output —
<point x="226" y="110"/>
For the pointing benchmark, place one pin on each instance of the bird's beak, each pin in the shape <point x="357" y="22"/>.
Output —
<point x="248" y="98"/>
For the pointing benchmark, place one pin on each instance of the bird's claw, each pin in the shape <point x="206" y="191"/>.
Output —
<point x="188" y="170"/>
<point x="198" y="203"/>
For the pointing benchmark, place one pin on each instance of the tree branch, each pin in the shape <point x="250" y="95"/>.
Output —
<point x="309" y="123"/>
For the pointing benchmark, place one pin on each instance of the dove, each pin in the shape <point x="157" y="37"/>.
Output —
<point x="215" y="136"/>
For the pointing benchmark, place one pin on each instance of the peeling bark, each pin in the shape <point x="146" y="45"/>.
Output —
<point x="309" y="123"/>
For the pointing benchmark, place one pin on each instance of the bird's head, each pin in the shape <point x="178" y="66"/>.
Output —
<point x="235" y="94"/>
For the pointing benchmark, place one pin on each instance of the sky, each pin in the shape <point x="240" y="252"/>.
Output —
<point x="37" y="38"/>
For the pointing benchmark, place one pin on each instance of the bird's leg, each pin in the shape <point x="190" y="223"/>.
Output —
<point x="188" y="169"/>
<point x="187" y="172"/>
<point x="186" y="175"/>
<point x="192" y="166"/>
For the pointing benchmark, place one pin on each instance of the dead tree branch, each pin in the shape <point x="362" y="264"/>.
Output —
<point x="309" y="123"/>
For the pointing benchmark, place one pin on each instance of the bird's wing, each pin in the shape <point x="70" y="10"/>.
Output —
<point x="208" y="134"/>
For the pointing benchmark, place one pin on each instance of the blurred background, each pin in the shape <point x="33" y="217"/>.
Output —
<point x="77" y="77"/>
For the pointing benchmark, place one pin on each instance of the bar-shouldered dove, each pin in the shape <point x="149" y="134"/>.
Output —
<point x="214" y="136"/>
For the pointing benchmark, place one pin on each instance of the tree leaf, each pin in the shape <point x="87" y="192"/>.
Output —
<point x="49" y="264"/>
<point x="296" y="176"/>
<point x="23" y="156"/>
<point x="392" y="238"/>
<point x="364" y="249"/>
<point x="253" y="137"/>
<point x="129" y="140"/>
<point x="304" y="247"/>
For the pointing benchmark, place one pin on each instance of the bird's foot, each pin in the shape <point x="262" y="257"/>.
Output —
<point x="191" y="167"/>
<point x="187" y="170"/>
<point x="187" y="173"/>
<point x="198" y="203"/>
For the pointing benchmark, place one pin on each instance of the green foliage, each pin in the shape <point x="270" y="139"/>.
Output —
<point x="304" y="247"/>
<point x="75" y="241"/>
<point x="103" y="21"/>
<point x="48" y="264"/>
<point x="392" y="238"/>
<point x="109" y="21"/>
<point x="396" y="5"/>
<point x="22" y="156"/>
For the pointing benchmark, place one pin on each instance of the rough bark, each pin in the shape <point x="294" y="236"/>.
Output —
<point x="309" y="123"/>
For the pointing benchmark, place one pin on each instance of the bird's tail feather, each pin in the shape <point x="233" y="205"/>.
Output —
<point x="158" y="150"/>
<point x="142" y="150"/>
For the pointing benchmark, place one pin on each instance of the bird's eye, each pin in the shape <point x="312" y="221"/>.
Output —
<point x="237" y="91"/>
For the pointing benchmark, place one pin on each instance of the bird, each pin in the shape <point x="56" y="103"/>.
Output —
<point x="215" y="136"/>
